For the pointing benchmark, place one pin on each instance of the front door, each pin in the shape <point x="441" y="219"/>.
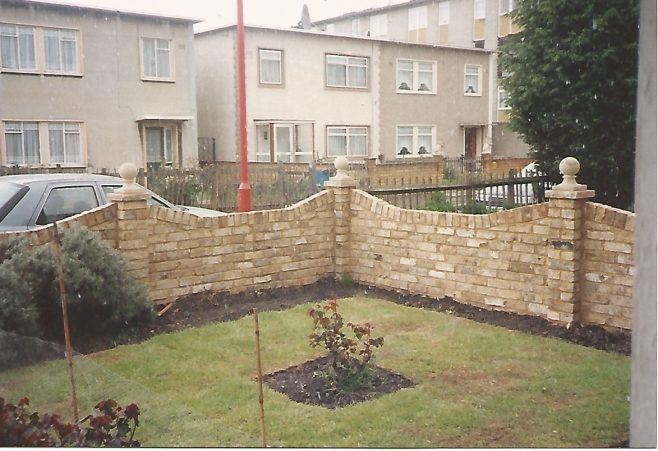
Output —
<point x="470" y="143"/>
<point x="159" y="146"/>
<point x="283" y="142"/>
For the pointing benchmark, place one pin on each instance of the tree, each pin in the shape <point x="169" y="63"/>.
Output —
<point x="572" y="88"/>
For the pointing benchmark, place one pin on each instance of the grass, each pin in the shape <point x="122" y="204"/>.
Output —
<point x="477" y="386"/>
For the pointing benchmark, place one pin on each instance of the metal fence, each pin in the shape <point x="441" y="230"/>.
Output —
<point x="480" y="196"/>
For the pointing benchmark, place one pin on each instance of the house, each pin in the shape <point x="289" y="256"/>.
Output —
<point x="314" y="95"/>
<point x="90" y="88"/>
<point x="462" y="23"/>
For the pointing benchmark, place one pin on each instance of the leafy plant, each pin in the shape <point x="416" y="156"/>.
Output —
<point x="108" y="426"/>
<point x="102" y="297"/>
<point x="572" y="89"/>
<point x="350" y="345"/>
<point x="449" y="174"/>
<point x="474" y="207"/>
<point x="508" y="204"/>
<point x="438" y="202"/>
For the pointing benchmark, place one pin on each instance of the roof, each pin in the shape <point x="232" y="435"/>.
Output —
<point x="340" y="36"/>
<point x="69" y="5"/>
<point x="371" y="11"/>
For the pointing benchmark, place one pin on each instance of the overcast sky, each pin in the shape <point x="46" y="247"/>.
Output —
<point x="272" y="13"/>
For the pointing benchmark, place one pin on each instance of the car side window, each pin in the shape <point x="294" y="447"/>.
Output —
<point x="67" y="201"/>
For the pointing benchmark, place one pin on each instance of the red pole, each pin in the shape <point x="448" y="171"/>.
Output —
<point x="244" y="191"/>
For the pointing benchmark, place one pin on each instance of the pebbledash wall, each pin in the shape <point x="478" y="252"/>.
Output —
<point x="565" y="260"/>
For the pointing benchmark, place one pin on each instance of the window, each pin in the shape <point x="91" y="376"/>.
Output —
<point x="67" y="201"/>
<point x="472" y="80"/>
<point x="503" y="99"/>
<point x="356" y="27"/>
<point x="444" y="13"/>
<point x="506" y="6"/>
<point x="159" y="146"/>
<point x="348" y="141"/>
<point x="479" y="11"/>
<point x="270" y="67"/>
<point x="17" y="49"/>
<point x="51" y="142"/>
<point x="417" y="18"/>
<point x="415" y="140"/>
<point x="378" y="25"/>
<point x="61" y="53"/>
<point x="416" y="77"/>
<point x="156" y="59"/>
<point x="347" y="71"/>
<point x="22" y="142"/>
<point x="64" y="143"/>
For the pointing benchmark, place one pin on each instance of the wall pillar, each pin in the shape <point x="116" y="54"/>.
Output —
<point x="566" y="206"/>
<point x="132" y="237"/>
<point x="341" y="185"/>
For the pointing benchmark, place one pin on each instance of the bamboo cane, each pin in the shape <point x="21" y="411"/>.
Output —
<point x="260" y="383"/>
<point x="57" y="248"/>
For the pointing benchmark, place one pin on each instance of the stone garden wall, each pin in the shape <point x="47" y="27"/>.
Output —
<point x="565" y="260"/>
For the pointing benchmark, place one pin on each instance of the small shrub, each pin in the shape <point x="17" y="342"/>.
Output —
<point x="474" y="207"/>
<point x="108" y="426"/>
<point x="102" y="298"/>
<point x="438" y="202"/>
<point x="508" y="204"/>
<point x="350" y="345"/>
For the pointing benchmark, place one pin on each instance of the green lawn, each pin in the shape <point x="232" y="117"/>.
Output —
<point x="477" y="386"/>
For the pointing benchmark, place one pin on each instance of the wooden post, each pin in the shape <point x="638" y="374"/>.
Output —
<point x="57" y="252"/>
<point x="260" y="383"/>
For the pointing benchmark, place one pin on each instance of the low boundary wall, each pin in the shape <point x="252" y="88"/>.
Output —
<point x="565" y="260"/>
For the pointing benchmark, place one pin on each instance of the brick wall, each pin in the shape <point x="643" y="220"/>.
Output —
<point x="566" y="260"/>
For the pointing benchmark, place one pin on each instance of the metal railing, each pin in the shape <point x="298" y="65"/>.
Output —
<point x="491" y="195"/>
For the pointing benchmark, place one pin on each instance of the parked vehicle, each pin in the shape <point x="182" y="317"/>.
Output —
<point x="33" y="200"/>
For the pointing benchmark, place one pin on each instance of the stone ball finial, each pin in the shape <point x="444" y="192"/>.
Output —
<point x="569" y="167"/>
<point x="341" y="164"/>
<point x="128" y="173"/>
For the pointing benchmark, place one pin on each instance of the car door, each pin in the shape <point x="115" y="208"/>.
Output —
<point x="61" y="201"/>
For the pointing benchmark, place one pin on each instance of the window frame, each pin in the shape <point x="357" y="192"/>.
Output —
<point x="478" y="92"/>
<point x="444" y="5"/>
<point x="171" y="58"/>
<point x="65" y="134"/>
<point x="347" y="58"/>
<point x="61" y="71"/>
<point x="415" y="140"/>
<point x="482" y="8"/>
<point x="379" y="22"/>
<point x="499" y="97"/>
<point x="261" y="51"/>
<point x="44" y="150"/>
<point x="419" y="19"/>
<point x="348" y="129"/>
<point x="415" y="88"/>
<point x="511" y="6"/>
<point x="18" y="55"/>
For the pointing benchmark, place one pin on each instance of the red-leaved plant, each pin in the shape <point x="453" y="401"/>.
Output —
<point x="108" y="426"/>
<point x="350" y="345"/>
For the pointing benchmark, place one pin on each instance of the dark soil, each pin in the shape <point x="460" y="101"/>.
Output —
<point x="207" y="307"/>
<point x="307" y="383"/>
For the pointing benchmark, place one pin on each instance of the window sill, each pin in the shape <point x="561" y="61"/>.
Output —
<point x="158" y="80"/>
<point x="347" y="88"/>
<point x="63" y="74"/>
<point x="40" y="72"/>
<point x="271" y="85"/>
<point x="422" y="93"/>
<point x="468" y="94"/>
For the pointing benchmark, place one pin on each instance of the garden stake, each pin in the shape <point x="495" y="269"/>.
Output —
<point x="57" y="248"/>
<point x="260" y="383"/>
